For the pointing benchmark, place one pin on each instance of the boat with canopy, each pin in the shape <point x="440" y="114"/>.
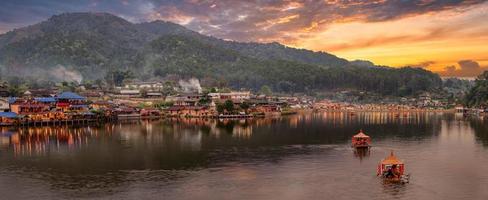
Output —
<point x="361" y="140"/>
<point x="392" y="169"/>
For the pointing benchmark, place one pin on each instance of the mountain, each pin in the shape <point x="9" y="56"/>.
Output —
<point x="91" y="45"/>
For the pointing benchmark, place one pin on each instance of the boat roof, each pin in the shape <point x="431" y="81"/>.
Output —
<point x="391" y="160"/>
<point x="361" y="135"/>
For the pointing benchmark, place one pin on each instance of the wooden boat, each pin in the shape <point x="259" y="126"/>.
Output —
<point x="361" y="140"/>
<point x="392" y="170"/>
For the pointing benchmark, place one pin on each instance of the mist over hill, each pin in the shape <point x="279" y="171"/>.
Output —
<point x="88" y="46"/>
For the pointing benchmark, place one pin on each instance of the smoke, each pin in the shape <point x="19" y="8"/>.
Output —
<point x="61" y="73"/>
<point x="57" y="73"/>
<point x="192" y="85"/>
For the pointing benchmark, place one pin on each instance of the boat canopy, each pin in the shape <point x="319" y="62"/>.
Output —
<point x="391" y="160"/>
<point x="360" y="135"/>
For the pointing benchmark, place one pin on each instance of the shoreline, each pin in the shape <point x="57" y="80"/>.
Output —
<point x="236" y="117"/>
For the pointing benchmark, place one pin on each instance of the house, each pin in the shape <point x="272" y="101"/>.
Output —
<point x="234" y="96"/>
<point x="144" y="85"/>
<point x="150" y="113"/>
<point x="189" y="99"/>
<point x="101" y="105"/>
<point x="154" y="94"/>
<point x="41" y="108"/>
<point x="4" y="105"/>
<point x="4" y="90"/>
<point x="267" y="108"/>
<point x="8" y="118"/>
<point x="28" y="106"/>
<point x="130" y="93"/>
<point x="42" y="92"/>
<point x="71" y="102"/>
<point x="190" y="111"/>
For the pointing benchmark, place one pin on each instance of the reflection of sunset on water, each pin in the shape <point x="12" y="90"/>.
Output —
<point x="246" y="155"/>
<point x="188" y="132"/>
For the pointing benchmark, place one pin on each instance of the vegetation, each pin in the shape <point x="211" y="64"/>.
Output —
<point x="478" y="95"/>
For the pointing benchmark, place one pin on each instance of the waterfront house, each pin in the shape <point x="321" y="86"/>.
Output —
<point x="34" y="108"/>
<point x="101" y="105"/>
<point x="71" y="102"/>
<point x="234" y="96"/>
<point x="188" y="99"/>
<point x="268" y="108"/>
<point x="28" y="106"/>
<point x="150" y="113"/>
<point x="190" y="111"/>
<point x="8" y="118"/>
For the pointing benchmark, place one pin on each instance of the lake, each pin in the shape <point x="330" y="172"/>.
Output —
<point x="303" y="156"/>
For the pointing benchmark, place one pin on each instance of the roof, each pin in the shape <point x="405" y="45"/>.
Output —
<point x="70" y="95"/>
<point x="79" y="106"/>
<point x="8" y="114"/>
<point x="12" y="100"/>
<point x="45" y="99"/>
<point x="391" y="160"/>
<point x="360" y="135"/>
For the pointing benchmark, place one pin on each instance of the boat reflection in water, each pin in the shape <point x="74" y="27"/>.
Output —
<point x="361" y="153"/>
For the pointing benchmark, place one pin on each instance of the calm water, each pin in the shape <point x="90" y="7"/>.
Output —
<point x="306" y="156"/>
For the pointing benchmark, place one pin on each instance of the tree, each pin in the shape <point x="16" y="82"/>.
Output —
<point x="220" y="108"/>
<point x="229" y="105"/>
<point x="245" y="106"/>
<point x="204" y="100"/>
<point x="143" y="92"/>
<point x="478" y="95"/>
<point x="117" y="77"/>
<point x="168" y="88"/>
<point x="266" y="90"/>
<point x="99" y="83"/>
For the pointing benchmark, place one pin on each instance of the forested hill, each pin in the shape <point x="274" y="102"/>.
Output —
<point x="92" y="45"/>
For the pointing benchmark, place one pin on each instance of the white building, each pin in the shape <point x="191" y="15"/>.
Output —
<point x="235" y="96"/>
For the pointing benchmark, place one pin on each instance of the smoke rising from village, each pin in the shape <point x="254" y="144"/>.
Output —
<point x="57" y="73"/>
<point x="62" y="73"/>
<point x="192" y="85"/>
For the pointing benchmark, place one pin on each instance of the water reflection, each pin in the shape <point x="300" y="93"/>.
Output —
<point x="199" y="134"/>
<point x="361" y="153"/>
<point x="238" y="155"/>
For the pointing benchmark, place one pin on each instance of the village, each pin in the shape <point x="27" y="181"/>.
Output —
<point x="147" y="100"/>
<point x="140" y="100"/>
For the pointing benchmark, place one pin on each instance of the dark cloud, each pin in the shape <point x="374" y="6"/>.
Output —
<point x="18" y="13"/>
<point x="259" y="20"/>
<point x="243" y="20"/>
<point x="467" y="68"/>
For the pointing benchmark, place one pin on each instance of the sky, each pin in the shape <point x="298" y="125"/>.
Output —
<point x="449" y="37"/>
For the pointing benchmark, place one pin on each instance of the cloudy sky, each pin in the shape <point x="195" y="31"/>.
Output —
<point x="446" y="36"/>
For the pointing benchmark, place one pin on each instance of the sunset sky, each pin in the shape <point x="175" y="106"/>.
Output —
<point x="446" y="36"/>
